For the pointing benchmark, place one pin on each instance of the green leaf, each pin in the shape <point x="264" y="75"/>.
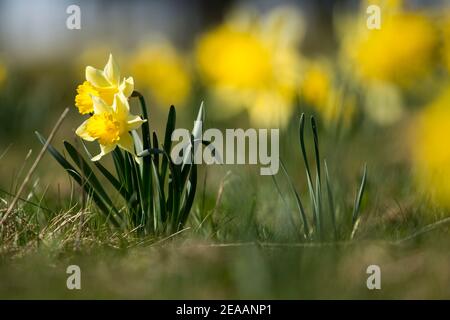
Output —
<point x="119" y="164"/>
<point x="128" y="173"/>
<point x="330" y="200"/>
<point x="139" y="211"/>
<point x="87" y="172"/>
<point x="156" y="146"/>
<point x="318" y="190"/>
<point x="298" y="201"/>
<point x="302" y="144"/>
<point x="359" y="196"/>
<point x="108" y="175"/>
<point x="160" y="193"/>
<point x="146" y="165"/>
<point x="83" y="183"/>
<point x="316" y="146"/>
<point x="311" y="190"/>
<point x="191" y="189"/>
<point x="170" y="127"/>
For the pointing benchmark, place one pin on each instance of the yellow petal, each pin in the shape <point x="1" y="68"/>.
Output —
<point x="126" y="143"/>
<point x="100" y="106"/>
<point x="82" y="132"/>
<point x="127" y="86"/>
<point x="103" y="151"/>
<point x="121" y="106"/>
<point x="96" y="77"/>
<point x="134" y="122"/>
<point x="112" y="72"/>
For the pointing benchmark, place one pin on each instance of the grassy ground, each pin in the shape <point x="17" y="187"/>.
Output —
<point x="192" y="270"/>
<point x="240" y="241"/>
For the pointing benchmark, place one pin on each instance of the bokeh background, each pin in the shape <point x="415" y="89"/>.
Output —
<point x="380" y="97"/>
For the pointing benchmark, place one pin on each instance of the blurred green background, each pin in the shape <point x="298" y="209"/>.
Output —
<point x="377" y="94"/>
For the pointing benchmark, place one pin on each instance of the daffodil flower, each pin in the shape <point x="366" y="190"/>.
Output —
<point x="103" y="84"/>
<point x="110" y="125"/>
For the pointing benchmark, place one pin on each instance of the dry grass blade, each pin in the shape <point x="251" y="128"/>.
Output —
<point x="34" y="166"/>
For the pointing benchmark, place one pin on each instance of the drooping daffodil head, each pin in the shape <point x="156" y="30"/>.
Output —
<point x="110" y="125"/>
<point x="103" y="84"/>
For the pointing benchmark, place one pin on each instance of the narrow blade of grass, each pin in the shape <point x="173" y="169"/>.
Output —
<point x="316" y="147"/>
<point x="308" y="172"/>
<point x="356" y="208"/>
<point x="298" y="201"/>
<point x="330" y="200"/>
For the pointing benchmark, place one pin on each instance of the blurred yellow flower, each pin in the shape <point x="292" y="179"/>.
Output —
<point x="431" y="152"/>
<point x="104" y="84"/>
<point x="269" y="109"/>
<point x="163" y="71"/>
<point x="383" y="103"/>
<point x="251" y="62"/>
<point x="231" y="57"/>
<point x="110" y="125"/>
<point x="316" y="85"/>
<point x="319" y="91"/>
<point x="400" y="52"/>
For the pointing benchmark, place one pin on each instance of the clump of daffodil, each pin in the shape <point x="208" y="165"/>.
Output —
<point x="430" y="150"/>
<point x="251" y="61"/>
<point x="104" y="84"/>
<point x="104" y="96"/>
<point x="164" y="72"/>
<point x="318" y="90"/>
<point x="400" y="52"/>
<point x="110" y="125"/>
<point x="140" y="164"/>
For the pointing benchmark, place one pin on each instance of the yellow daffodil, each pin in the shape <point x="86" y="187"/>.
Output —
<point x="316" y="85"/>
<point x="163" y="71"/>
<point x="318" y="90"/>
<point x="110" y="125"/>
<point x="241" y="59"/>
<point x="251" y="62"/>
<point x="431" y="153"/>
<point x="103" y="84"/>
